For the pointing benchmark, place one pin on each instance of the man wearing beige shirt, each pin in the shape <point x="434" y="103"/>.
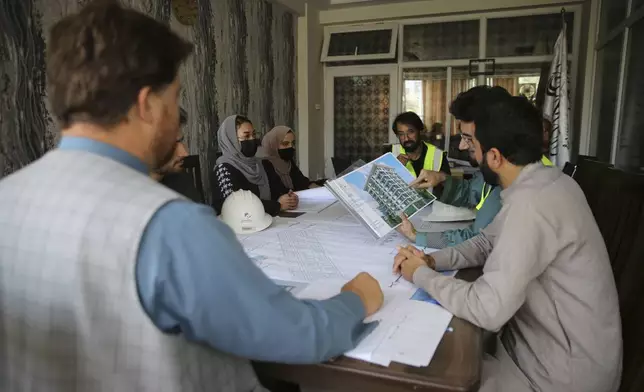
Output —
<point x="547" y="283"/>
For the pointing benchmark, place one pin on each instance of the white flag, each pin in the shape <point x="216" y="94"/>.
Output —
<point x="556" y="106"/>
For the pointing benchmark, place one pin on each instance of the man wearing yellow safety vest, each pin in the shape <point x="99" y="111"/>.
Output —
<point x="473" y="193"/>
<point x="412" y="152"/>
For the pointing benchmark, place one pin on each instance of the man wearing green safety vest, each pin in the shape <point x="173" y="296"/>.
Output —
<point x="486" y="189"/>
<point x="472" y="193"/>
<point x="412" y="152"/>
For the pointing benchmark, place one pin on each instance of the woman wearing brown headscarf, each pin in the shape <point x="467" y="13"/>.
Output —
<point x="239" y="168"/>
<point x="278" y="147"/>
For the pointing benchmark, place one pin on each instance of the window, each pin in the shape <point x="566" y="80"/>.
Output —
<point x="360" y="43"/>
<point x="610" y="59"/>
<point x="426" y="94"/>
<point x="613" y="12"/>
<point x="413" y="97"/>
<point x="637" y="4"/>
<point x="428" y="99"/>
<point x="618" y="99"/>
<point x="520" y="79"/>
<point x="532" y="35"/>
<point x="434" y="56"/>
<point x="630" y="150"/>
<point x="440" y="41"/>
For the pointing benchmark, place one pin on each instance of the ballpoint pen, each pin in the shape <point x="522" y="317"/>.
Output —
<point x="395" y="281"/>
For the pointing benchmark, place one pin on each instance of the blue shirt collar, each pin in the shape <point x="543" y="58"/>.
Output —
<point x="103" y="149"/>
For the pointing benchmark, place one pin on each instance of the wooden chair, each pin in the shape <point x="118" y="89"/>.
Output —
<point x="340" y="164"/>
<point x="616" y="199"/>
<point x="192" y="166"/>
<point x="581" y="158"/>
<point x="589" y="174"/>
<point x="569" y="169"/>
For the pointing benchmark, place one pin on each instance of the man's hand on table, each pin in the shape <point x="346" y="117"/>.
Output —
<point x="368" y="289"/>
<point x="409" y="259"/>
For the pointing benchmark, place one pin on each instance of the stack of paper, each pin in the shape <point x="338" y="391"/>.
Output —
<point x="408" y="331"/>
<point x="314" y="200"/>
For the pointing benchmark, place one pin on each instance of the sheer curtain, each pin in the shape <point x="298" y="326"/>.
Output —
<point x="511" y="84"/>
<point x="435" y="97"/>
<point x="459" y="85"/>
<point x="434" y="93"/>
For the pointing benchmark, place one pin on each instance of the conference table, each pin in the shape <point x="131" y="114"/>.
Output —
<point x="456" y="366"/>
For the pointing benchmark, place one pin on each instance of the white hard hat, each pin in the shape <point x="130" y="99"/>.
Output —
<point x="243" y="212"/>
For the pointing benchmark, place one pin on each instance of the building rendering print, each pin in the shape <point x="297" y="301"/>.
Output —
<point x="394" y="195"/>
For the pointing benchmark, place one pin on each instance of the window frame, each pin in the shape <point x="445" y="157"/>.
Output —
<point x="482" y="17"/>
<point x="330" y="30"/>
<point x="330" y="73"/>
<point x="631" y="17"/>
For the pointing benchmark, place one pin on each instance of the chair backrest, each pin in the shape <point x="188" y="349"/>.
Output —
<point x="340" y="164"/>
<point x="581" y="158"/>
<point x="616" y="199"/>
<point x="192" y="166"/>
<point x="589" y="175"/>
<point x="569" y="169"/>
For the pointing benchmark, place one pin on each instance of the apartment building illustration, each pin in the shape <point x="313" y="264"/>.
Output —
<point x="393" y="194"/>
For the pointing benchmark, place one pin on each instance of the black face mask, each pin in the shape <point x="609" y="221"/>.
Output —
<point x="489" y="176"/>
<point x="248" y="147"/>
<point x="287" y="154"/>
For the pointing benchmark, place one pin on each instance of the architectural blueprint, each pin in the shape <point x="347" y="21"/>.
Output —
<point x="378" y="193"/>
<point x="307" y="251"/>
<point x="307" y="257"/>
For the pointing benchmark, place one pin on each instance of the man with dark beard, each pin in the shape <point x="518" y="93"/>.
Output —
<point x="173" y="174"/>
<point x="473" y="193"/>
<point x="414" y="153"/>
<point x="547" y="283"/>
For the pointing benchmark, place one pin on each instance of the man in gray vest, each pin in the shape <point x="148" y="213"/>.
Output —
<point x="110" y="281"/>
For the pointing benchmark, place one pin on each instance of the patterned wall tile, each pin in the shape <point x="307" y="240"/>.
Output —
<point x="361" y="116"/>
